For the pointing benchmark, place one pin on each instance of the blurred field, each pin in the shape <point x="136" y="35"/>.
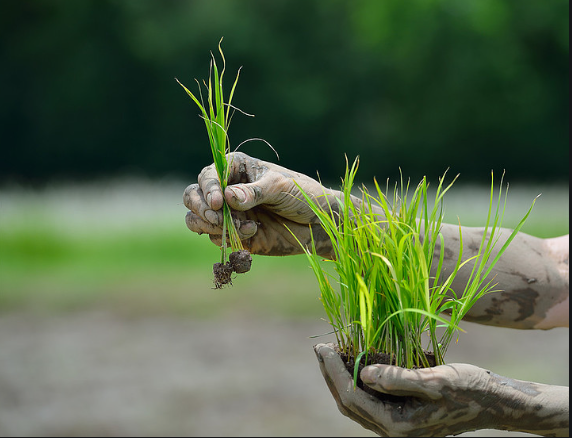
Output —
<point x="125" y="245"/>
<point x="109" y="324"/>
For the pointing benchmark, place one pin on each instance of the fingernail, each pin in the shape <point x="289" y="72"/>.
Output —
<point x="239" y="194"/>
<point x="209" y="199"/>
<point x="212" y="217"/>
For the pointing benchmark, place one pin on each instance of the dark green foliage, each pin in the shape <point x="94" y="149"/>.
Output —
<point x="88" y="90"/>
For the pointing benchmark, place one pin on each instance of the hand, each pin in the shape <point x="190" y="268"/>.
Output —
<point x="443" y="400"/>
<point x="265" y="200"/>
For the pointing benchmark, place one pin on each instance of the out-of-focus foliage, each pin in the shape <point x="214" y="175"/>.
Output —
<point x="88" y="87"/>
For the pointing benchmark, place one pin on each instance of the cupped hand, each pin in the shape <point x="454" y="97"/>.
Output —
<point x="267" y="205"/>
<point x="437" y="401"/>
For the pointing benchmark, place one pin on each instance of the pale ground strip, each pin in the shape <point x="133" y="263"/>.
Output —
<point x="94" y="374"/>
<point x="129" y="203"/>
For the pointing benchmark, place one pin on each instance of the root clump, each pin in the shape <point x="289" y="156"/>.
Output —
<point x="222" y="274"/>
<point x="238" y="261"/>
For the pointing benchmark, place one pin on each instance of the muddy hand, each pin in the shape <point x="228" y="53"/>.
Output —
<point x="444" y="400"/>
<point x="266" y="202"/>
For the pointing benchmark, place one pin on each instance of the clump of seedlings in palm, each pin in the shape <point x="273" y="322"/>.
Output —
<point x="217" y="114"/>
<point x="388" y="291"/>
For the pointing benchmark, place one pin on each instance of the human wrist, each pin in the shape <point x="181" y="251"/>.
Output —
<point x="529" y="407"/>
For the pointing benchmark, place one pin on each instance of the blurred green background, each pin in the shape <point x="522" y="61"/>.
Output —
<point x="89" y="90"/>
<point x="108" y="323"/>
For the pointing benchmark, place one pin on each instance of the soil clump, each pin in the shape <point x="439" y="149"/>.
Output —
<point x="238" y="261"/>
<point x="377" y="358"/>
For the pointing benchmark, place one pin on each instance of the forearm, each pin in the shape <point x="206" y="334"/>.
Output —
<point x="530" y="407"/>
<point x="531" y="276"/>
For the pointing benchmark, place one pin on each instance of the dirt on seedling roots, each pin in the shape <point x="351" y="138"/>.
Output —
<point x="238" y="261"/>
<point x="377" y="358"/>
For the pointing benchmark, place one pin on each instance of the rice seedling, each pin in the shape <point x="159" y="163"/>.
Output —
<point x="217" y="114"/>
<point x="391" y="289"/>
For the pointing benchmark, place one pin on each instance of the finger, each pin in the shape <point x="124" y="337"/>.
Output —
<point x="187" y="195"/>
<point x="198" y="225"/>
<point x="194" y="200"/>
<point x="269" y="189"/>
<point x="253" y="182"/>
<point x="370" y="412"/>
<point x="210" y="186"/>
<point x="246" y="229"/>
<point x="326" y="357"/>
<point x="333" y="364"/>
<point x="337" y="375"/>
<point x="241" y="169"/>
<point x="426" y="383"/>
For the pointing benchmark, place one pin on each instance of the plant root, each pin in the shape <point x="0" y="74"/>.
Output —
<point x="222" y="274"/>
<point x="238" y="261"/>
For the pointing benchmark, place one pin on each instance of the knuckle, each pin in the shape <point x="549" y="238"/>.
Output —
<point x="206" y="172"/>
<point x="238" y="155"/>
<point x="202" y="173"/>
<point x="188" y="195"/>
<point x="192" y="222"/>
<point x="216" y="239"/>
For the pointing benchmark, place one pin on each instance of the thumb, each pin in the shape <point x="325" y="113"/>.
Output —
<point x="242" y="197"/>
<point x="423" y="383"/>
<point x="245" y="196"/>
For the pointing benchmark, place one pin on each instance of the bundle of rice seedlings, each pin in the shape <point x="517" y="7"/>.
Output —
<point x="390" y="289"/>
<point x="217" y="114"/>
